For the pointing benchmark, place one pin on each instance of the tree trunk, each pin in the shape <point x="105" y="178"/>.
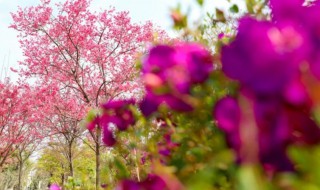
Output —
<point x="20" y="175"/>
<point x="71" y="168"/>
<point x="62" y="175"/>
<point x="3" y="159"/>
<point x="98" y="142"/>
<point x="70" y="159"/>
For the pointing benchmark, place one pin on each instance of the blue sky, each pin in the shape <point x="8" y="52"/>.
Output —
<point x="156" y="11"/>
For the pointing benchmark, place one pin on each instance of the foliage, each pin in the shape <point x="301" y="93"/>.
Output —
<point x="54" y="166"/>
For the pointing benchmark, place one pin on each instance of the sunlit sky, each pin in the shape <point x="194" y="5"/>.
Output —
<point x="156" y="11"/>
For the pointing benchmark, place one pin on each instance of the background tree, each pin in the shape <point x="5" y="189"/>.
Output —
<point x="54" y="165"/>
<point x="91" y="54"/>
<point x="10" y="132"/>
<point x="61" y="115"/>
<point x="20" y="133"/>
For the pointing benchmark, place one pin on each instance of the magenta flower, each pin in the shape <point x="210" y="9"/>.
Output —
<point x="144" y="157"/>
<point x="128" y="185"/>
<point x="108" y="137"/>
<point x="278" y="126"/>
<point x="94" y="123"/>
<point x="287" y="9"/>
<point x="169" y="73"/>
<point x="221" y="35"/>
<point x="265" y="57"/>
<point x="313" y="27"/>
<point x="294" y="13"/>
<point x="272" y="138"/>
<point x="116" y="112"/>
<point x="166" y="147"/>
<point x="268" y="58"/>
<point x="152" y="182"/>
<point x="151" y="102"/>
<point x="104" y="186"/>
<point x="55" y="187"/>
<point x="227" y="113"/>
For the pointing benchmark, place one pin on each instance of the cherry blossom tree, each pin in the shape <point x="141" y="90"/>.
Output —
<point x="61" y="115"/>
<point x="20" y="132"/>
<point x="13" y="118"/>
<point x="7" y="113"/>
<point x="89" y="54"/>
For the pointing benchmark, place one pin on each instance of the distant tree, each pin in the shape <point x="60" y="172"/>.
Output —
<point x="51" y="164"/>
<point x="54" y="166"/>
<point x="16" y="124"/>
<point x="91" y="54"/>
<point x="10" y="131"/>
<point x="20" y="132"/>
<point x="60" y="115"/>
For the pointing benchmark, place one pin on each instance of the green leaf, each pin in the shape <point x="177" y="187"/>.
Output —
<point x="234" y="8"/>
<point x="123" y="172"/>
<point x="249" y="178"/>
<point x="91" y="115"/>
<point x="200" y="2"/>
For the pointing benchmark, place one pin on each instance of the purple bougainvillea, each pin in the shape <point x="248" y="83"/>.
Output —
<point x="170" y="71"/>
<point x="152" y="182"/>
<point x="268" y="59"/>
<point x="278" y="126"/>
<point x="265" y="57"/>
<point x="115" y="112"/>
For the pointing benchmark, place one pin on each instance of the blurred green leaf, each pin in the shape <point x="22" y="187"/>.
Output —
<point x="307" y="161"/>
<point x="250" y="179"/>
<point x="234" y="8"/>
<point x="200" y="2"/>
<point x="91" y="115"/>
<point x="123" y="172"/>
